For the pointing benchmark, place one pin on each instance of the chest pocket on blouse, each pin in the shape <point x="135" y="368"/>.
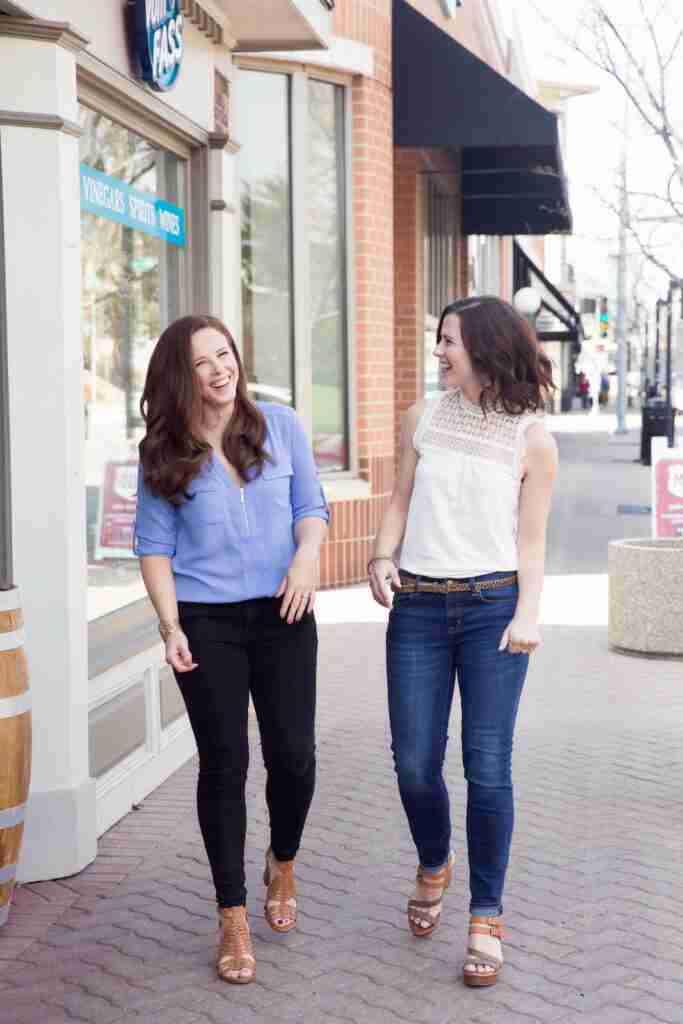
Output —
<point x="276" y="481"/>
<point x="207" y="506"/>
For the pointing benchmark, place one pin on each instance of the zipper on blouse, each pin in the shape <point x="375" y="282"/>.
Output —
<point x="244" y="510"/>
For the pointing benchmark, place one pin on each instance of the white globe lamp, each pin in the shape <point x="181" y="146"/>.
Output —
<point x="527" y="302"/>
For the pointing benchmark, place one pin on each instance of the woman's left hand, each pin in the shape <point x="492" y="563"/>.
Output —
<point x="299" y="586"/>
<point x="522" y="636"/>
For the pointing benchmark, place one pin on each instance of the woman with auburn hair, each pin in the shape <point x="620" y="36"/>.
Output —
<point x="230" y="520"/>
<point x="469" y="513"/>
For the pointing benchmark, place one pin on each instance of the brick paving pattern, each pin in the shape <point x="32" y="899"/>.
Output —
<point x="593" y="902"/>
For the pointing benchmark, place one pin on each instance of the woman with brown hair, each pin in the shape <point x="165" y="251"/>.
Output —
<point x="230" y="520"/>
<point x="469" y="513"/>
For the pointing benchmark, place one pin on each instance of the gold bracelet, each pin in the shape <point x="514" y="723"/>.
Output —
<point x="168" y="627"/>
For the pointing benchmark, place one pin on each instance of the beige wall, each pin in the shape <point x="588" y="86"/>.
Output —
<point x="473" y="26"/>
<point x="102" y="23"/>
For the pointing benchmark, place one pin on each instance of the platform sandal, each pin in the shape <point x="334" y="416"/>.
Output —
<point x="280" y="905"/>
<point x="421" y="910"/>
<point x="492" y="927"/>
<point x="235" y="957"/>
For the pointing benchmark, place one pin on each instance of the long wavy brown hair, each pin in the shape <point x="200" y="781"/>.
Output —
<point x="172" y="452"/>
<point x="505" y="353"/>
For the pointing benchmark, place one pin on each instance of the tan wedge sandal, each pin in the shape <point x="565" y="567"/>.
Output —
<point x="492" y="927"/>
<point x="280" y="905"/>
<point x="235" y="957"/>
<point x="420" y="910"/>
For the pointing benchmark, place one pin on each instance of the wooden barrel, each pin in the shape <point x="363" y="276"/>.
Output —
<point x="15" y="742"/>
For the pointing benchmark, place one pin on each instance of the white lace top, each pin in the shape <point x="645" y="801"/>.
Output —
<point x="464" y="509"/>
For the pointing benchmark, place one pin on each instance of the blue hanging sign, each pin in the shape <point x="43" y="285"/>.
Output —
<point x="116" y="200"/>
<point x="158" y="33"/>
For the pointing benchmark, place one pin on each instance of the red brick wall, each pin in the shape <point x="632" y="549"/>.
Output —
<point x="389" y="283"/>
<point x="408" y="279"/>
<point x="352" y="530"/>
<point x="354" y="523"/>
<point x="410" y="167"/>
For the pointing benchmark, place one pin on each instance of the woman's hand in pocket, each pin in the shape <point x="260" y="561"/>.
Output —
<point x="178" y="654"/>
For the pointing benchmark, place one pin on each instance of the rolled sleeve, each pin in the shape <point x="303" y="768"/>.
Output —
<point x="156" y="524"/>
<point x="307" y="494"/>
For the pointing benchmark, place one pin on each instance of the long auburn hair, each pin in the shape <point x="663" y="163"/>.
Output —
<point x="171" y="452"/>
<point x="505" y="353"/>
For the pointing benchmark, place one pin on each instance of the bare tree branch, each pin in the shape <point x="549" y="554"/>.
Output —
<point x="649" y="254"/>
<point x="639" y="60"/>
<point x="646" y="247"/>
<point x="674" y="50"/>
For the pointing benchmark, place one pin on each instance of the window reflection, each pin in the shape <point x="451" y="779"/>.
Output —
<point x="264" y="163"/>
<point x="440" y="230"/>
<point x="131" y="289"/>
<point x="328" y="274"/>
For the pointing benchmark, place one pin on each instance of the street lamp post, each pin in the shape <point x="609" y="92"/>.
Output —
<point x="677" y="283"/>
<point x="646" y="356"/>
<point x="667" y="303"/>
<point x="669" y="331"/>
<point x="658" y="346"/>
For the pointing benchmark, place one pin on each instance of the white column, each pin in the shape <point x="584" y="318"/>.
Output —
<point x="224" y="242"/>
<point x="41" y="204"/>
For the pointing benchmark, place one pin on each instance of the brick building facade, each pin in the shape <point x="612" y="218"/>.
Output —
<point x="355" y="521"/>
<point x="314" y="214"/>
<point x="390" y="185"/>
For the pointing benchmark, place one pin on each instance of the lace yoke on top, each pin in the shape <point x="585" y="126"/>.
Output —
<point x="457" y="425"/>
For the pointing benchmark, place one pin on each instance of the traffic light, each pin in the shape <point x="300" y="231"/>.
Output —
<point x="604" y="317"/>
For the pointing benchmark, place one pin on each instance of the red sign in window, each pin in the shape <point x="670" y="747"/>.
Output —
<point x="118" y="501"/>
<point x="669" y="497"/>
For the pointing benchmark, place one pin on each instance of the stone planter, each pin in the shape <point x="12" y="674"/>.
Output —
<point x="646" y="596"/>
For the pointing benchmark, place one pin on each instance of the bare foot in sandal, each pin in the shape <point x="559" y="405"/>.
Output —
<point x="424" y="909"/>
<point x="484" y="959"/>
<point x="235" y="956"/>
<point x="280" y="905"/>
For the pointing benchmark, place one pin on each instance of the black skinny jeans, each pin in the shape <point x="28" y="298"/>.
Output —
<point x="244" y="648"/>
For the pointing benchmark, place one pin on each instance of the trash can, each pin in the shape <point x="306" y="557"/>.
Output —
<point x="658" y="421"/>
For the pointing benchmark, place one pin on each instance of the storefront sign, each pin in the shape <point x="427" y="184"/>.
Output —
<point x="116" y="519"/>
<point x="116" y="200"/>
<point x="667" y="479"/>
<point x="158" y="31"/>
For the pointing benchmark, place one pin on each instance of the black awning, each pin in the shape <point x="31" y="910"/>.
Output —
<point x="512" y="175"/>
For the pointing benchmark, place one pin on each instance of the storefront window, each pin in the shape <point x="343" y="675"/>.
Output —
<point x="133" y="246"/>
<point x="485" y="265"/>
<point x="327" y="239"/>
<point x="267" y="321"/>
<point x="439" y="269"/>
<point x="276" y="252"/>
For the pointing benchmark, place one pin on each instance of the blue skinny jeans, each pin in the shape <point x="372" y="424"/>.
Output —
<point x="433" y="639"/>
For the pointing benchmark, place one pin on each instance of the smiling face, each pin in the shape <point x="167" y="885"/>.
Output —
<point x="215" y="368"/>
<point x="455" y="365"/>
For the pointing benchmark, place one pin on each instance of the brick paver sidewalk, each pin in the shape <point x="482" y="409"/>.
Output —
<point x="594" y="899"/>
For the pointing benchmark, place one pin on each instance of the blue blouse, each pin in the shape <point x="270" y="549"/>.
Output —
<point x="232" y="543"/>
